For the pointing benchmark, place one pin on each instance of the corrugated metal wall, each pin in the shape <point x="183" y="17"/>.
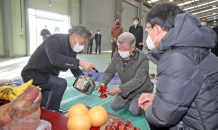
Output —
<point x="100" y="15"/>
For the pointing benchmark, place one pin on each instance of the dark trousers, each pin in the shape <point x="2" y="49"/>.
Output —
<point x="113" y="47"/>
<point x="98" y="46"/>
<point x="119" y="103"/>
<point x="52" y="92"/>
<point x="89" y="45"/>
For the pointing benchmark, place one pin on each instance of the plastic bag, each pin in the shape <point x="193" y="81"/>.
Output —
<point x="44" y="125"/>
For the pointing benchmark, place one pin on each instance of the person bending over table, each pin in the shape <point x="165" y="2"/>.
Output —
<point x="57" y="53"/>
<point x="132" y="67"/>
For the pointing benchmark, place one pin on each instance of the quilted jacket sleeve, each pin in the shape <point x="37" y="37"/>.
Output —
<point x="179" y="82"/>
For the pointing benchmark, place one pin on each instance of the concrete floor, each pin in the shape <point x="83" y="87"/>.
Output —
<point x="10" y="68"/>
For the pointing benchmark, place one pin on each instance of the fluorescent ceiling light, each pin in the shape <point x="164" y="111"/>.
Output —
<point x="198" y="5"/>
<point x="153" y="1"/>
<point x="208" y="15"/>
<point x="188" y="2"/>
<point x="205" y="10"/>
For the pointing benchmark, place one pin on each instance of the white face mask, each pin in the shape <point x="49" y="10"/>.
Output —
<point x="77" y="47"/>
<point x="124" y="54"/>
<point x="203" y="23"/>
<point x="98" y="32"/>
<point x="149" y="41"/>
<point x="135" y="22"/>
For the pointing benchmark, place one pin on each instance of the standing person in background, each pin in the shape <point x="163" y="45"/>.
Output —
<point x="90" y="43"/>
<point x="70" y="28"/>
<point x="98" y="41"/>
<point x="204" y="22"/>
<point x="45" y="33"/>
<point x="116" y="30"/>
<point x="137" y="31"/>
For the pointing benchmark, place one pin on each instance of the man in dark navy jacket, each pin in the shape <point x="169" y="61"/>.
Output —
<point x="57" y="53"/>
<point x="98" y="37"/>
<point x="137" y="31"/>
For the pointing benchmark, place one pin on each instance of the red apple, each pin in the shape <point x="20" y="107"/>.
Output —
<point x="128" y="122"/>
<point x="114" y="127"/>
<point x="114" y="122"/>
<point x="121" y="127"/>
<point x="131" y="127"/>
<point x="108" y="127"/>
<point x="120" y="122"/>
<point x="127" y="128"/>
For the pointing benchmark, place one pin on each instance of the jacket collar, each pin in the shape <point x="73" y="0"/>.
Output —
<point x="131" y="61"/>
<point x="67" y="42"/>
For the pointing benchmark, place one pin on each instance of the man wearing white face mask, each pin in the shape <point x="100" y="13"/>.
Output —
<point x="132" y="67"/>
<point x="187" y="71"/>
<point x="204" y="22"/>
<point x="137" y="31"/>
<point x="57" y="53"/>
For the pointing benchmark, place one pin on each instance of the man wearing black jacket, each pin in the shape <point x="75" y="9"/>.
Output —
<point x="137" y="31"/>
<point x="98" y="42"/>
<point x="45" y="33"/>
<point x="57" y="53"/>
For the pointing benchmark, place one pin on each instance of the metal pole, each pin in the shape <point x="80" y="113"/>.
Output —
<point x="118" y="12"/>
<point x="9" y="28"/>
<point x="27" y="27"/>
<point x="5" y="50"/>
<point x="140" y="10"/>
<point x="70" y="12"/>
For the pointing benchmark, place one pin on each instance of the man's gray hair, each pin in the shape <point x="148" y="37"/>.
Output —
<point x="126" y="37"/>
<point x="81" y="30"/>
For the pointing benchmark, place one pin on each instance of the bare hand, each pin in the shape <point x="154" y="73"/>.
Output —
<point x="113" y="91"/>
<point x="99" y="87"/>
<point x="115" y="40"/>
<point x="140" y="43"/>
<point x="47" y="35"/>
<point x="146" y="105"/>
<point x="145" y="97"/>
<point x="87" y="65"/>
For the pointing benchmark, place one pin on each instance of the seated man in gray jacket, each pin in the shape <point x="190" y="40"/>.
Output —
<point x="132" y="67"/>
